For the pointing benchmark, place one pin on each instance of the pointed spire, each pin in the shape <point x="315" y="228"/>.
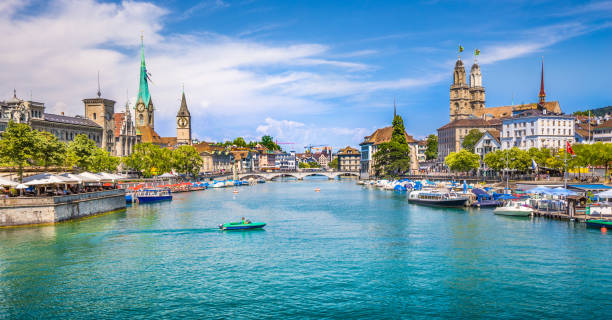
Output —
<point x="394" y="109"/>
<point x="99" y="93"/>
<point x="14" y="93"/>
<point x="143" y="89"/>
<point x="183" y="110"/>
<point x="542" y="93"/>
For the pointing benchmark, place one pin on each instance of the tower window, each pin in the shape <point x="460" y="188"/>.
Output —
<point x="94" y="116"/>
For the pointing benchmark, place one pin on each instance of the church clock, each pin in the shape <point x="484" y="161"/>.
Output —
<point x="140" y="107"/>
<point x="182" y="122"/>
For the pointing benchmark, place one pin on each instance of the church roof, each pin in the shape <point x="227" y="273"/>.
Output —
<point x="168" y="141"/>
<point x="348" y="150"/>
<point x="384" y="135"/>
<point x="469" y="123"/>
<point x="183" y="111"/>
<point x="506" y="111"/>
<point x="148" y="135"/>
<point x="143" y="89"/>
<point x="459" y="63"/>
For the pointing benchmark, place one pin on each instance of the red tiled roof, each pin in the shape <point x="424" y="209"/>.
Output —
<point x="384" y="135"/>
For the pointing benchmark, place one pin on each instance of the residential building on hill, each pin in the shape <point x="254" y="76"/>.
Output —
<point x="349" y="159"/>
<point x="603" y="132"/>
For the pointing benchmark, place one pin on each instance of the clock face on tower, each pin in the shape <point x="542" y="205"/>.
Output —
<point x="140" y="107"/>
<point x="182" y="122"/>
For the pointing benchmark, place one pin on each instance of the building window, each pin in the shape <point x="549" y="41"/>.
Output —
<point x="94" y="116"/>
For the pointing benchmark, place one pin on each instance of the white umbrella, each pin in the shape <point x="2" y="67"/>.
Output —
<point x="52" y="178"/>
<point x="72" y="177"/>
<point x="89" y="177"/>
<point x="606" y="194"/>
<point x="7" y="182"/>
<point x="21" y="186"/>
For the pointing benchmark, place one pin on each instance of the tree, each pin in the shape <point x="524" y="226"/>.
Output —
<point x="101" y="161"/>
<point x="80" y="151"/>
<point x="185" y="159"/>
<point x="470" y="140"/>
<point x="239" y="142"/>
<point x="51" y="151"/>
<point x="462" y="161"/>
<point x="19" y="146"/>
<point x="393" y="157"/>
<point x="333" y="163"/>
<point x="268" y="142"/>
<point x="432" y="147"/>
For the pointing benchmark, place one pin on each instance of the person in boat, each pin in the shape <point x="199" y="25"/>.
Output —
<point x="243" y="221"/>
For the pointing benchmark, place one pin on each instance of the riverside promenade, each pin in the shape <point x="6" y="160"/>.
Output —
<point x="20" y="211"/>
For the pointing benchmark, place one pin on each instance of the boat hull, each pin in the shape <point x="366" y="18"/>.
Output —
<point x="153" y="199"/>
<point x="242" y="226"/>
<point x="512" y="213"/>
<point x="599" y="223"/>
<point x="447" y="203"/>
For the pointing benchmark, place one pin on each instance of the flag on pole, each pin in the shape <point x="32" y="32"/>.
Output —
<point x="534" y="165"/>
<point x="569" y="149"/>
<point x="460" y="48"/>
<point x="477" y="52"/>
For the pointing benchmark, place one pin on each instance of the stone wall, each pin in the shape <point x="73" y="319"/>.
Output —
<point x="43" y="210"/>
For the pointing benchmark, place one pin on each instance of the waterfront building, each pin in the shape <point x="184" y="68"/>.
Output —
<point x="214" y="159"/>
<point x="370" y="144"/>
<point x="102" y="111"/>
<point x="349" y="159"/>
<point x="305" y="157"/>
<point x="323" y="158"/>
<point x="243" y="159"/>
<point x="421" y="148"/>
<point x="489" y="142"/>
<point x="603" y="132"/>
<point x="450" y="136"/>
<point x="65" y="128"/>
<point x="537" y="129"/>
<point x="285" y="161"/>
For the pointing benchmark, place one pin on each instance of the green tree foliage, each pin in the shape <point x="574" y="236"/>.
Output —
<point x="333" y="163"/>
<point x="239" y="142"/>
<point x="470" y="140"/>
<point x="186" y="160"/>
<point x="19" y="146"/>
<point x="393" y="158"/>
<point x="80" y="152"/>
<point x="306" y="165"/>
<point x="462" y="161"/>
<point x="268" y="142"/>
<point x="432" y="147"/>
<point x="145" y="158"/>
<point x="102" y="161"/>
<point x="51" y="151"/>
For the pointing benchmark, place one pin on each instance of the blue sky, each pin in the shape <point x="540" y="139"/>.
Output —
<point x="321" y="72"/>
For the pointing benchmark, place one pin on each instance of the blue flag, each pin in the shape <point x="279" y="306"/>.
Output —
<point x="534" y="165"/>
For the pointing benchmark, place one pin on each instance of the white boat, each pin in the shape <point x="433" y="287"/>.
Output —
<point x="437" y="198"/>
<point x="514" y="208"/>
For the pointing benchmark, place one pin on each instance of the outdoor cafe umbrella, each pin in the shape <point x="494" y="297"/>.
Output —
<point x="606" y="194"/>
<point x="7" y="182"/>
<point x="540" y="190"/>
<point x="21" y="186"/>
<point x="560" y="191"/>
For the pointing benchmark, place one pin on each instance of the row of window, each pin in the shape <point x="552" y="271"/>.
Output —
<point x="548" y="131"/>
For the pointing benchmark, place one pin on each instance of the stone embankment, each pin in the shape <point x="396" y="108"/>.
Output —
<point x="45" y="210"/>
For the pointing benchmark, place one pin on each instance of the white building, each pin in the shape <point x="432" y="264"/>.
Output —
<point x="489" y="142"/>
<point x="537" y="129"/>
<point x="285" y="161"/>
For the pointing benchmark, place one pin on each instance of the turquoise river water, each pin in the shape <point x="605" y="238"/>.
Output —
<point x="345" y="252"/>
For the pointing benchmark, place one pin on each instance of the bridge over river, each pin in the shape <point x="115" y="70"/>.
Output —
<point x="296" y="174"/>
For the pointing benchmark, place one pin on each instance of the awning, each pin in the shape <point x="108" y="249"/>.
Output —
<point x="7" y="182"/>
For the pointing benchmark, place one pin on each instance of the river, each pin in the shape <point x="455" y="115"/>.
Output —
<point x="345" y="252"/>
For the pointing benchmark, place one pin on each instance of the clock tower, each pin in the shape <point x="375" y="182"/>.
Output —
<point x="183" y="123"/>
<point x="144" y="104"/>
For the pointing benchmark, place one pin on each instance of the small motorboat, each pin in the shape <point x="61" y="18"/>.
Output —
<point x="515" y="209"/>
<point x="599" y="223"/>
<point x="242" y="225"/>
<point x="149" y="195"/>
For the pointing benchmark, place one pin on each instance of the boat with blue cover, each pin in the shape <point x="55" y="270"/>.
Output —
<point x="149" y="195"/>
<point x="242" y="225"/>
<point x="437" y="198"/>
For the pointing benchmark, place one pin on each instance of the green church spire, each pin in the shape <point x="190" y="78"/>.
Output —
<point x="143" y="90"/>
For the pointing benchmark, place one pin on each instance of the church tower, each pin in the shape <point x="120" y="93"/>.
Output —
<point x="477" y="91"/>
<point x="144" y="104"/>
<point x="102" y="112"/>
<point x="459" y="94"/>
<point x="183" y="123"/>
<point x="542" y="94"/>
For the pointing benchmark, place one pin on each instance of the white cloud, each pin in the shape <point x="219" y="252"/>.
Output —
<point x="302" y="134"/>
<point x="57" y="53"/>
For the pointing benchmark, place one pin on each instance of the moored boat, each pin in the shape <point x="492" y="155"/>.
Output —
<point x="242" y="225"/>
<point x="598" y="223"/>
<point x="515" y="209"/>
<point x="149" y="195"/>
<point x="437" y="198"/>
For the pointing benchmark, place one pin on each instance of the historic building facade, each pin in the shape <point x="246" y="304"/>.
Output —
<point x="370" y="144"/>
<point x="183" y="123"/>
<point x="466" y="100"/>
<point x="349" y="159"/>
<point x="65" y="128"/>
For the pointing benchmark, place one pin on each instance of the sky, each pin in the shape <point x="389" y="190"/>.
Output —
<point x="305" y="72"/>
